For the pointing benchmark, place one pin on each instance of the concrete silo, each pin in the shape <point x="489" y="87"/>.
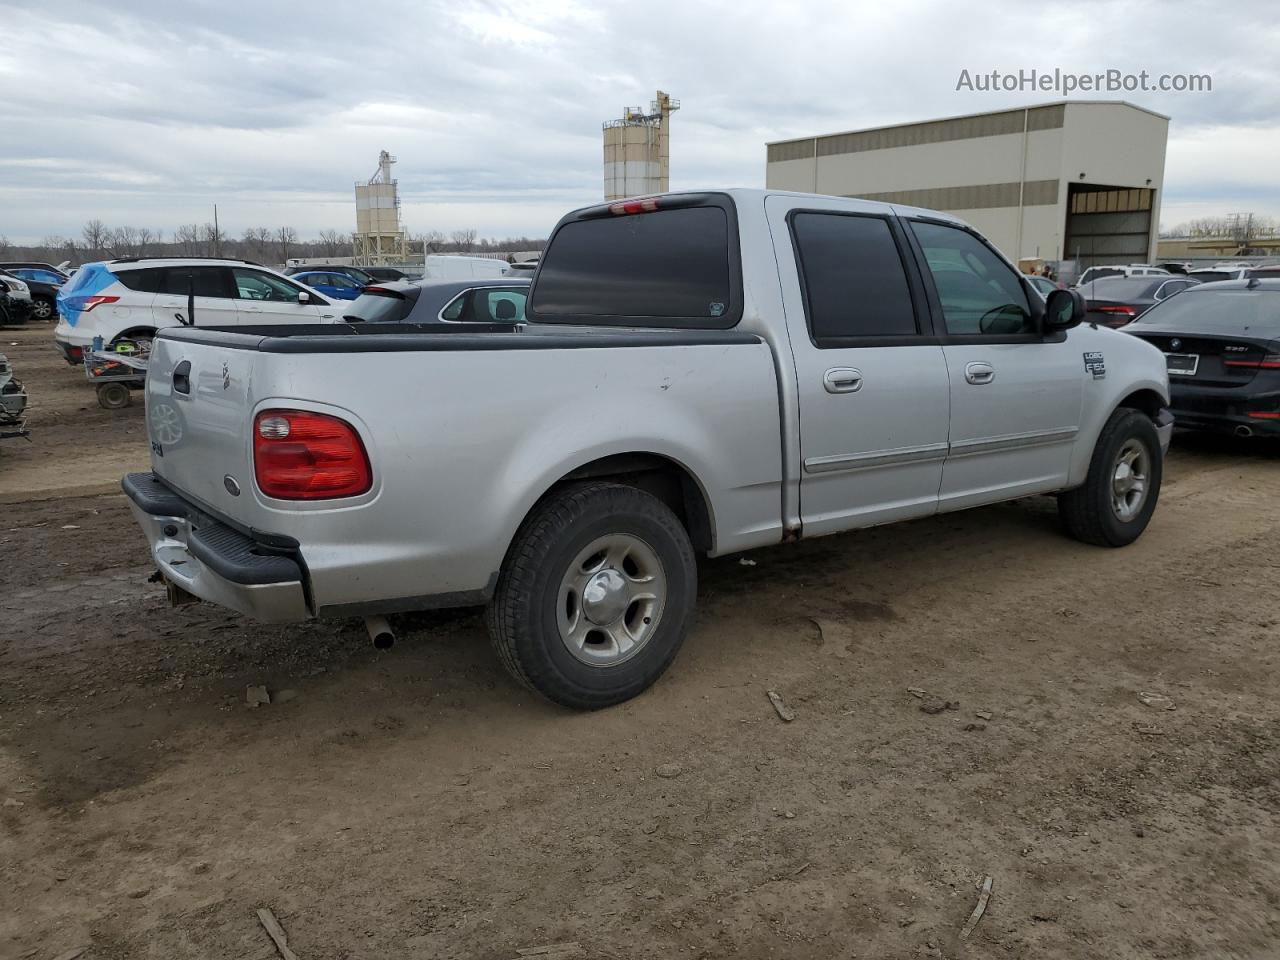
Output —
<point x="637" y="150"/>
<point x="379" y="237"/>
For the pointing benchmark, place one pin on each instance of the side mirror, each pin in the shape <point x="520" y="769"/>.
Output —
<point x="304" y="297"/>
<point x="1063" y="310"/>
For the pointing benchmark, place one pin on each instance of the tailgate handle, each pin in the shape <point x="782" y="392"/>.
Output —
<point x="182" y="377"/>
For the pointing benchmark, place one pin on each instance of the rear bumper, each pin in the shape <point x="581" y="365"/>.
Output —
<point x="71" y="352"/>
<point x="1229" y="410"/>
<point x="214" y="562"/>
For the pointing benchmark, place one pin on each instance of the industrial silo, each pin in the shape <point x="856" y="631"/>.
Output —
<point x="637" y="150"/>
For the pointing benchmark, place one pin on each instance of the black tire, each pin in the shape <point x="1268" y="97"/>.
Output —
<point x="524" y="615"/>
<point x="1088" y="513"/>
<point x="43" y="309"/>
<point x="114" y="396"/>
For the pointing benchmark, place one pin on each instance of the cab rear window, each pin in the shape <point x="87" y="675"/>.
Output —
<point x="666" y="268"/>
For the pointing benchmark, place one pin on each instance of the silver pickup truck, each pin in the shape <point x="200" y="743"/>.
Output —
<point x="700" y="373"/>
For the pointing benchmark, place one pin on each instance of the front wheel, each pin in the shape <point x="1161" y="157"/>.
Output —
<point x="1114" y="505"/>
<point x="596" y="595"/>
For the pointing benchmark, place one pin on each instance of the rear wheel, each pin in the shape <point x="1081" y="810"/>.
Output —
<point x="114" y="396"/>
<point x="1114" y="505"/>
<point x="596" y="595"/>
<point x="42" y="308"/>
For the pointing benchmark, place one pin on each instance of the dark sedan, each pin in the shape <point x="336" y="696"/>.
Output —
<point x="496" y="300"/>
<point x="1115" y="301"/>
<point x="1222" y="345"/>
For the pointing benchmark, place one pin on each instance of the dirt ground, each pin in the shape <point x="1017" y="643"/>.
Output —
<point x="416" y="803"/>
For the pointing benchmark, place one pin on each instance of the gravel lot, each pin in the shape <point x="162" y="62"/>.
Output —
<point x="415" y="803"/>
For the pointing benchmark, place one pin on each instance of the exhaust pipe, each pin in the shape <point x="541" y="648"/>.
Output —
<point x="380" y="632"/>
<point x="1243" y="431"/>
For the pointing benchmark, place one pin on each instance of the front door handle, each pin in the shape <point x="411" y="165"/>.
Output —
<point x="842" y="380"/>
<point x="979" y="373"/>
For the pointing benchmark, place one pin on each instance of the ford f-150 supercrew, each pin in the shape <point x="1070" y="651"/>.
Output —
<point x="700" y="373"/>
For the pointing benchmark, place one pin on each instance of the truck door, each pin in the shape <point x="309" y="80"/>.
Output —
<point x="873" y="398"/>
<point x="1015" y="394"/>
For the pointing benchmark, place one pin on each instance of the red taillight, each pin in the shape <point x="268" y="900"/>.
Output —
<point x="1117" y="311"/>
<point x="1270" y="362"/>
<point x="299" y="455"/>
<point x="633" y="206"/>
<point x="1264" y="416"/>
<point x="91" y="302"/>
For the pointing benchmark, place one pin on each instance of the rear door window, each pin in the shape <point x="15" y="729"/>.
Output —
<point x="201" y="281"/>
<point x="668" y="268"/>
<point x="855" y="285"/>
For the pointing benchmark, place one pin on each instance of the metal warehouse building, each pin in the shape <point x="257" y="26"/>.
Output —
<point x="1076" y="180"/>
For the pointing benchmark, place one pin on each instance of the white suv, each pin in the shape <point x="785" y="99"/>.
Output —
<point x="130" y="299"/>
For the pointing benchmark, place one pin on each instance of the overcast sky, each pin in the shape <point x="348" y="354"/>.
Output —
<point x="147" y="112"/>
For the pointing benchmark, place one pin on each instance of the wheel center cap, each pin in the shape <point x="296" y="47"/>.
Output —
<point x="604" y="598"/>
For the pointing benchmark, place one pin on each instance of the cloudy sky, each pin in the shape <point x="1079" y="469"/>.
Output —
<point x="147" y="112"/>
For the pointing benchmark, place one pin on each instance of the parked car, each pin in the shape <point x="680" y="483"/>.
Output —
<point x="1042" y="285"/>
<point x="131" y="298"/>
<point x="1174" y="266"/>
<point x="1214" y="274"/>
<point x="1120" y="270"/>
<point x="522" y="268"/>
<point x="702" y="372"/>
<point x="382" y="274"/>
<point x="357" y="274"/>
<point x="501" y="300"/>
<point x="337" y="286"/>
<point x="15" y="299"/>
<point x="1115" y="301"/>
<point x="13" y="401"/>
<point x="44" y="284"/>
<point x="1222" y="345"/>
<point x="1269" y="272"/>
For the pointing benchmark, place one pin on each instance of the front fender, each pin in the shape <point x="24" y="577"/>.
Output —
<point x="1132" y="367"/>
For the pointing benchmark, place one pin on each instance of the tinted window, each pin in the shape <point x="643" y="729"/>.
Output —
<point x="202" y="281"/>
<point x="854" y="282"/>
<point x="148" y="281"/>
<point x="1121" y="288"/>
<point x="383" y="306"/>
<point x="669" y="268"/>
<point x="487" y="305"/>
<point x="253" y="285"/>
<point x="980" y="293"/>
<point x="39" y="276"/>
<point x="1259" y="309"/>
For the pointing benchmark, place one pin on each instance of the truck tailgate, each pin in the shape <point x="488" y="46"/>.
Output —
<point x="199" y="398"/>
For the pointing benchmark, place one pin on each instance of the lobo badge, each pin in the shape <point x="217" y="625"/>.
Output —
<point x="1095" y="364"/>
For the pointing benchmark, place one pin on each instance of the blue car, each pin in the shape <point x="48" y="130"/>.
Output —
<point x="336" y="285"/>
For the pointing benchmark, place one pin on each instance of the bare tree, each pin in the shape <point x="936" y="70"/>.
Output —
<point x="213" y="240"/>
<point x="5" y="245"/>
<point x="96" y="236"/>
<point x="464" y="239"/>
<point x="285" y="238"/>
<point x="431" y="241"/>
<point x="330" y="243"/>
<point x="187" y="240"/>
<point x="146" y="237"/>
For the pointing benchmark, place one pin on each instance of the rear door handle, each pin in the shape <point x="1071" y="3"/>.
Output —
<point x="842" y="380"/>
<point x="979" y="373"/>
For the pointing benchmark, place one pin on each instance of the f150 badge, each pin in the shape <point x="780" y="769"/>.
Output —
<point x="1095" y="364"/>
